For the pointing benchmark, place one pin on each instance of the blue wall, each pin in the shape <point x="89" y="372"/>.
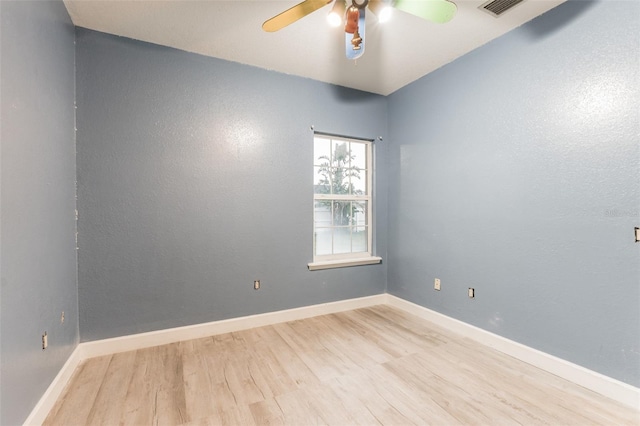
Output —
<point x="194" y="180"/>
<point x="38" y="264"/>
<point x="515" y="170"/>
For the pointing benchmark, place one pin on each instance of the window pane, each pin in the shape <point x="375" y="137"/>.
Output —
<point x="321" y="151"/>
<point x="342" y="213"/>
<point x="340" y="153"/>
<point x="359" y="214"/>
<point x="323" y="241"/>
<point x="358" y="155"/>
<point x="359" y="239"/>
<point x="321" y="180"/>
<point x="342" y="240"/>
<point x="358" y="182"/>
<point x="322" y="214"/>
<point x="340" y="178"/>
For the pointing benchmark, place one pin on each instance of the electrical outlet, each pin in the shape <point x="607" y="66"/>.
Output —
<point x="62" y="318"/>
<point x="472" y="293"/>
<point x="256" y="285"/>
<point x="45" y="341"/>
<point x="436" y="284"/>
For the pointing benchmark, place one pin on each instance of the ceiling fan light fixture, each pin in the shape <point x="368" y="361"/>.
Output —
<point x="382" y="9"/>
<point x="336" y="15"/>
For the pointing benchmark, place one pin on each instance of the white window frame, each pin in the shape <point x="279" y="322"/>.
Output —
<point x="347" y="259"/>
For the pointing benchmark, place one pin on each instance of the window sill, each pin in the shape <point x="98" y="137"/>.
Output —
<point x="343" y="263"/>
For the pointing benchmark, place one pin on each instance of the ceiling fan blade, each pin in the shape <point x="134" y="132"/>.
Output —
<point x="439" y="11"/>
<point x="291" y="15"/>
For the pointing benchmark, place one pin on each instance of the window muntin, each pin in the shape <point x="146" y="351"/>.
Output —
<point x="342" y="198"/>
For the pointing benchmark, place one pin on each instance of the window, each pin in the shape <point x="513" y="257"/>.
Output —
<point x="342" y="202"/>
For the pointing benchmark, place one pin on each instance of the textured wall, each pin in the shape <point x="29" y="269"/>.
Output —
<point x="194" y="179"/>
<point x="515" y="170"/>
<point x="38" y="266"/>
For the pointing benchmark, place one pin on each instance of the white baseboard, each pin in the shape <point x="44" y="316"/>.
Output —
<point x="161" y="337"/>
<point x="172" y="335"/>
<point x="604" y="385"/>
<point x="611" y="388"/>
<point x="53" y="392"/>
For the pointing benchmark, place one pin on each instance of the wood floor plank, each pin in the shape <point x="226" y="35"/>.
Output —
<point x="408" y="331"/>
<point x="308" y="364"/>
<point x="109" y="401"/>
<point x="345" y="343"/>
<point x="454" y="400"/>
<point x="140" y="399"/>
<point x="494" y="400"/>
<point x="370" y="366"/>
<point x="268" y="357"/>
<point x="237" y="415"/>
<point x="527" y="387"/>
<point x="393" y="344"/>
<point x="241" y="382"/>
<point x="382" y="410"/>
<point x="343" y="389"/>
<point x="298" y="408"/>
<point x="198" y="387"/>
<point x="267" y="412"/>
<point x="72" y="407"/>
<point x="170" y="403"/>
<point x="353" y="336"/>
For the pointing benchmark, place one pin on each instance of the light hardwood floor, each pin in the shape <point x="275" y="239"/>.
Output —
<point x="370" y="366"/>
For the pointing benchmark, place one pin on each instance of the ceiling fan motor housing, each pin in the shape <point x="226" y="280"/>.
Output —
<point x="353" y="15"/>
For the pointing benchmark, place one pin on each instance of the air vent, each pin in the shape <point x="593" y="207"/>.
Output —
<point x="498" y="7"/>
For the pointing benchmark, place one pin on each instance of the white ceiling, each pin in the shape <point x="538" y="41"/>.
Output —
<point x="397" y="52"/>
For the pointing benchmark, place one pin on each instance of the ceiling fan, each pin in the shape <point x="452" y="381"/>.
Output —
<point x="439" y="11"/>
